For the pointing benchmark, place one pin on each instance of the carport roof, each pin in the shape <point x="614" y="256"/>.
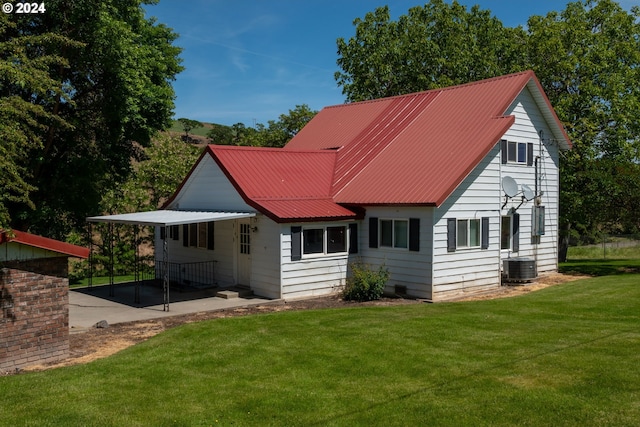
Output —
<point x="164" y="218"/>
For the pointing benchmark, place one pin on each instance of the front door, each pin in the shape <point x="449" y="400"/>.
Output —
<point x="244" y="252"/>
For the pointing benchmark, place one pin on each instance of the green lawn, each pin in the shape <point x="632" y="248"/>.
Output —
<point x="567" y="355"/>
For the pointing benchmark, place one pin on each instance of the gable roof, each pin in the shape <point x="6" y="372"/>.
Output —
<point x="285" y="185"/>
<point x="417" y="148"/>
<point x="40" y="242"/>
<point x="406" y="150"/>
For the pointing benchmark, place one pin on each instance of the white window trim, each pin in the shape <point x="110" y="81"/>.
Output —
<point x="468" y="246"/>
<point x="526" y="153"/>
<point x="324" y="253"/>
<point x="393" y="234"/>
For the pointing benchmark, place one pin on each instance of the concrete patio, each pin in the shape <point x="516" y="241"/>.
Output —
<point x="88" y="306"/>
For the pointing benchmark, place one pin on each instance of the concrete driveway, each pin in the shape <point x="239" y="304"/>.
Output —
<point x="88" y="306"/>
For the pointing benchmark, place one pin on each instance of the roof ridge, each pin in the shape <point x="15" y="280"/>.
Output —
<point x="267" y="149"/>
<point x="447" y="88"/>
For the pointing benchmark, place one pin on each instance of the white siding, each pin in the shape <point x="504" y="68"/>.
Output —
<point x="406" y="268"/>
<point x="469" y="270"/>
<point x="208" y="188"/>
<point x="311" y="276"/>
<point x="265" y="257"/>
<point x="529" y="122"/>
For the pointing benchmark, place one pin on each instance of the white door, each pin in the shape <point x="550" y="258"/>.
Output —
<point x="244" y="252"/>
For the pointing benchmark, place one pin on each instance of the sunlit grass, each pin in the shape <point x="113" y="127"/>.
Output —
<point x="565" y="355"/>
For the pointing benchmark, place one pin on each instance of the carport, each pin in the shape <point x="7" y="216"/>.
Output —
<point x="164" y="219"/>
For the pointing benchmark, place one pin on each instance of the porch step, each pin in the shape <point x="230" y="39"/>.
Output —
<point x="234" y="293"/>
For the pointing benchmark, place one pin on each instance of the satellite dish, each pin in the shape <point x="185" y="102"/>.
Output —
<point x="527" y="192"/>
<point x="509" y="186"/>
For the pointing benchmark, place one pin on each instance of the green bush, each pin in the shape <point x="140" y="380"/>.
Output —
<point x="365" y="284"/>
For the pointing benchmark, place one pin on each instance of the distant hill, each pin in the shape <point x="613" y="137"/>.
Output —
<point x="198" y="135"/>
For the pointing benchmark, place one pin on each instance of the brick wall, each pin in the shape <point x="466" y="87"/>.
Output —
<point x="34" y="312"/>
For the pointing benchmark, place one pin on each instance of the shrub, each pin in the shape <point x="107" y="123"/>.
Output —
<point x="365" y="284"/>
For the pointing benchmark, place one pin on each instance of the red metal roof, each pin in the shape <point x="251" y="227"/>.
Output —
<point x="406" y="150"/>
<point x="286" y="185"/>
<point x="52" y="245"/>
<point x="417" y="148"/>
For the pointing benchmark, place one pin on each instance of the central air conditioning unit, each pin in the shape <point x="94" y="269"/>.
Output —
<point x="519" y="270"/>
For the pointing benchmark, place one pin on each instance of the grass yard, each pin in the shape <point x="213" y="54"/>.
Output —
<point x="567" y="355"/>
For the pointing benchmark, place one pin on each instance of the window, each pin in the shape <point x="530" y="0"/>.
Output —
<point x="322" y="240"/>
<point x="505" y="233"/>
<point x="336" y="240"/>
<point x="517" y="152"/>
<point x="198" y="235"/>
<point x="468" y="233"/>
<point x="510" y="232"/>
<point x="202" y="235"/>
<point x="394" y="233"/>
<point x="313" y="241"/>
<point x="245" y="239"/>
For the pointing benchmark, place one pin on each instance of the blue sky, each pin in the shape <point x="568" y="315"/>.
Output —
<point x="248" y="61"/>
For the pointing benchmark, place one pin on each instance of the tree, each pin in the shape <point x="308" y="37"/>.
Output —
<point x="279" y="132"/>
<point x="155" y="178"/>
<point x="587" y="58"/>
<point x="436" y="45"/>
<point x="276" y="134"/>
<point x="23" y="70"/>
<point x="112" y="92"/>
<point x="188" y="125"/>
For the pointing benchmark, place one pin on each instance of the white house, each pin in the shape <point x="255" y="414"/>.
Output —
<point x="440" y="186"/>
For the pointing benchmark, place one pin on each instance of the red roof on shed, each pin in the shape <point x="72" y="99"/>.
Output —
<point x="405" y="150"/>
<point x="52" y="245"/>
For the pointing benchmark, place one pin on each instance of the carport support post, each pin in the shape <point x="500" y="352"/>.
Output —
<point x="165" y="273"/>
<point x="112" y="290"/>
<point x="136" y="265"/>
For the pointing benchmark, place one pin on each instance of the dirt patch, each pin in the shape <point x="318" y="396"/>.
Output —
<point x="95" y="343"/>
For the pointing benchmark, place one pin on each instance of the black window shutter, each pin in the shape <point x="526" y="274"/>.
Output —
<point x="373" y="232"/>
<point x="353" y="238"/>
<point x="451" y="235"/>
<point x="485" y="233"/>
<point x="503" y="151"/>
<point x="296" y="243"/>
<point x="210" y="241"/>
<point x="414" y="234"/>
<point x="175" y="229"/>
<point x="530" y="154"/>
<point x="516" y="233"/>
<point x="185" y="235"/>
<point x="163" y="233"/>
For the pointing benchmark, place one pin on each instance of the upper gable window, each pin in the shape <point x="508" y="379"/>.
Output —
<point x="517" y="152"/>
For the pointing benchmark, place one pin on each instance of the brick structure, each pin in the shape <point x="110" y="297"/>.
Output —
<point x="34" y="299"/>
<point x="34" y="323"/>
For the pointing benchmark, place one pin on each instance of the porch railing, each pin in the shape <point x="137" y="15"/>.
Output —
<point x="188" y="274"/>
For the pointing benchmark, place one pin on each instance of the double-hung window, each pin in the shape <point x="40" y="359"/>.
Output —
<point x="468" y="233"/>
<point x="394" y="233"/>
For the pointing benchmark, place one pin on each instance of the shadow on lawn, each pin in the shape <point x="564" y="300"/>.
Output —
<point x="600" y="267"/>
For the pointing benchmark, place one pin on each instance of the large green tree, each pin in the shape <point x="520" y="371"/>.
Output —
<point x="435" y="45"/>
<point x="110" y="90"/>
<point x="24" y="75"/>
<point x="587" y="58"/>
